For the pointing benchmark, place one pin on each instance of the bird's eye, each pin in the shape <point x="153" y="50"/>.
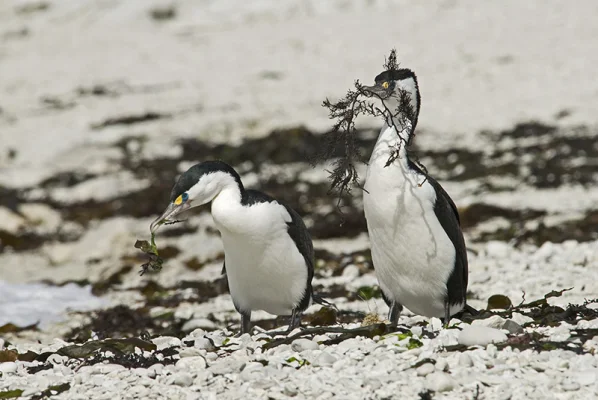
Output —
<point x="181" y="199"/>
<point x="385" y="85"/>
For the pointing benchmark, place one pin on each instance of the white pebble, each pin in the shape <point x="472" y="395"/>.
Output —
<point x="480" y="336"/>
<point x="521" y="319"/>
<point x="494" y="321"/>
<point x="197" y="333"/>
<point x="201" y="323"/>
<point x="498" y="249"/>
<point x="183" y="379"/>
<point x="417" y="331"/>
<point x="191" y="363"/>
<point x="465" y="360"/>
<point x="204" y="343"/>
<point x="441" y="365"/>
<point x="57" y="359"/>
<point x="154" y="370"/>
<point x="440" y="382"/>
<point x="324" y="358"/>
<point x="8" y="367"/>
<point x="570" y="386"/>
<point x="302" y="344"/>
<point x="586" y="378"/>
<point x="351" y="271"/>
<point x="435" y="324"/>
<point x="190" y="352"/>
<point x="165" y="342"/>
<point x="425" y="369"/>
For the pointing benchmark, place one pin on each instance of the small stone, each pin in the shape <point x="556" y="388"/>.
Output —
<point x="290" y="390"/>
<point x="560" y="333"/>
<point x="465" y="360"/>
<point x="164" y="342"/>
<point x="351" y="271"/>
<point x="154" y="370"/>
<point x="425" y="369"/>
<point x="320" y="338"/>
<point x="300" y="345"/>
<point x="196" y="333"/>
<point x="521" y="319"/>
<point x="191" y="363"/>
<point x="190" y="352"/>
<point x="417" y="331"/>
<point x="494" y="321"/>
<point x="323" y="359"/>
<point x="8" y="367"/>
<point x="512" y="326"/>
<point x="441" y="365"/>
<point x="498" y="249"/>
<point x="545" y="251"/>
<point x="57" y="359"/>
<point x="480" y="336"/>
<point x="440" y="382"/>
<point x="491" y="350"/>
<point x="201" y="323"/>
<point x="435" y="324"/>
<point x="204" y="343"/>
<point x="584" y="378"/>
<point x="570" y="386"/>
<point x="252" y="371"/>
<point x="183" y="379"/>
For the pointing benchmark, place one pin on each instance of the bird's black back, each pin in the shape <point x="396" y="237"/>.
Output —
<point x="448" y="216"/>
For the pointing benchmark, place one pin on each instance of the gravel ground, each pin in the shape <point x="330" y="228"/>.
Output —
<point x="104" y="103"/>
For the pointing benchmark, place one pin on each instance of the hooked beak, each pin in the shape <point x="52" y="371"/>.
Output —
<point x="375" y="90"/>
<point x="169" y="214"/>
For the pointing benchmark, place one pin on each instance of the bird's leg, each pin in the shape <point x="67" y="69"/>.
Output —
<point x="295" y="321"/>
<point x="394" y="312"/>
<point x="447" y="314"/>
<point x="245" y="323"/>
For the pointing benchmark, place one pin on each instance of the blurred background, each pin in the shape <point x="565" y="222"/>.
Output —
<point x="104" y="103"/>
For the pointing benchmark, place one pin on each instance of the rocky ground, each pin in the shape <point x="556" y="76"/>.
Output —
<point x="104" y="103"/>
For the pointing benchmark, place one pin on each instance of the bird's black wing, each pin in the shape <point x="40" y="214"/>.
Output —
<point x="300" y="235"/>
<point x="448" y="216"/>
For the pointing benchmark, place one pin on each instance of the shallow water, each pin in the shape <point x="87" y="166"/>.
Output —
<point x="28" y="303"/>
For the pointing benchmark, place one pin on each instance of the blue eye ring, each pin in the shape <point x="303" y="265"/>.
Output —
<point x="185" y="197"/>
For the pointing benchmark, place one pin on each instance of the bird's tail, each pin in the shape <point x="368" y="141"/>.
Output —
<point x="319" y="300"/>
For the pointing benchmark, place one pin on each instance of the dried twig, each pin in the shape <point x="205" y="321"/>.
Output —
<point x="367" y="331"/>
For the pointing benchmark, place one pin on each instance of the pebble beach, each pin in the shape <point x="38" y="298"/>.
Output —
<point x="103" y="104"/>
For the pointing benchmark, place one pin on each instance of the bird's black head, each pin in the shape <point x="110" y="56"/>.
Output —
<point x="199" y="185"/>
<point x="196" y="174"/>
<point x="399" y="91"/>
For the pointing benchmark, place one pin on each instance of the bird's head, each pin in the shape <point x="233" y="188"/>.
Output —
<point x="197" y="186"/>
<point x="399" y="92"/>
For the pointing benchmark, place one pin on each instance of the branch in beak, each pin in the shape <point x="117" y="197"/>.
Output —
<point x="169" y="214"/>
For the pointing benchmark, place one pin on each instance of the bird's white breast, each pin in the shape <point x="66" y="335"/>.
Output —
<point x="412" y="255"/>
<point x="265" y="270"/>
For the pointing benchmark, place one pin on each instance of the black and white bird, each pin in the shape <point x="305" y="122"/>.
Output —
<point x="418" y="249"/>
<point x="268" y="251"/>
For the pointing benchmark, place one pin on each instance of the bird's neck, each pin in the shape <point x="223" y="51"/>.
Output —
<point x="392" y="143"/>
<point x="227" y="207"/>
